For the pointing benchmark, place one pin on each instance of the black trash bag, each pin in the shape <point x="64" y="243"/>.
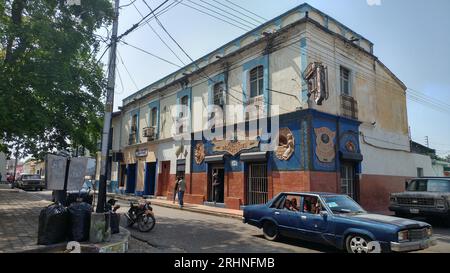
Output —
<point x="73" y="197"/>
<point x="80" y="221"/>
<point x="114" y="222"/>
<point x="53" y="225"/>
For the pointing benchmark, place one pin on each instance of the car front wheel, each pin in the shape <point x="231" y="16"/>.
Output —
<point x="270" y="231"/>
<point x="358" y="244"/>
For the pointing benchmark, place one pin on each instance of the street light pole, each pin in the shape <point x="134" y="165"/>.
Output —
<point x="109" y="105"/>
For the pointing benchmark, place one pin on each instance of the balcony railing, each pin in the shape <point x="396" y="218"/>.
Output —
<point x="150" y="133"/>
<point x="349" y="107"/>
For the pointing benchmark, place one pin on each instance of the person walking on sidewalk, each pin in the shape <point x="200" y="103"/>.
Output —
<point x="175" y="189"/>
<point x="181" y="190"/>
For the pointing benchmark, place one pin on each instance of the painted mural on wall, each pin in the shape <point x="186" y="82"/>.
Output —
<point x="325" y="150"/>
<point x="235" y="146"/>
<point x="199" y="153"/>
<point x="349" y="142"/>
<point x="286" y="144"/>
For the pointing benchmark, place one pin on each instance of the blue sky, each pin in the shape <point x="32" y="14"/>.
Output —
<point x="411" y="37"/>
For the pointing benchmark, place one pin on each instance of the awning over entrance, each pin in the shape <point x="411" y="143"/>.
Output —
<point x="214" y="159"/>
<point x="351" y="156"/>
<point x="257" y="156"/>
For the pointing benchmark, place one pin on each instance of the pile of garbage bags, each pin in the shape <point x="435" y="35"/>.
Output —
<point x="58" y="223"/>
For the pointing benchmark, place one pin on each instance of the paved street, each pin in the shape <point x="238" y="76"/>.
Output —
<point x="176" y="230"/>
<point x="19" y="216"/>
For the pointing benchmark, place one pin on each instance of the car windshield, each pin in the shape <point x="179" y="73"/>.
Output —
<point x="432" y="185"/>
<point x="342" y="204"/>
<point x="31" y="176"/>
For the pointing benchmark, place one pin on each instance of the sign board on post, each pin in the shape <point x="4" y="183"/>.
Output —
<point x="77" y="172"/>
<point x="91" y="167"/>
<point x="55" y="172"/>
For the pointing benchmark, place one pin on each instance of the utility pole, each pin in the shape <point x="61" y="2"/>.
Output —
<point x="427" y="141"/>
<point x="109" y="106"/>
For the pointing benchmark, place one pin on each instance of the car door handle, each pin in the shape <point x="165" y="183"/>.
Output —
<point x="277" y="213"/>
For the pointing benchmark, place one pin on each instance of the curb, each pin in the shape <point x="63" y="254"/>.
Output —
<point x="155" y="202"/>
<point x="118" y="244"/>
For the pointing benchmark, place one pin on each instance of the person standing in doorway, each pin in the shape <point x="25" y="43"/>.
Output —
<point x="216" y="185"/>
<point x="181" y="190"/>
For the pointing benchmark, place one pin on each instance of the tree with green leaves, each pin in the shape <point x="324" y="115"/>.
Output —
<point x="51" y="84"/>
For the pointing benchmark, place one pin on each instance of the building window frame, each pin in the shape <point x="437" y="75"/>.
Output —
<point x="134" y="128"/>
<point x="256" y="81"/>
<point x="345" y="78"/>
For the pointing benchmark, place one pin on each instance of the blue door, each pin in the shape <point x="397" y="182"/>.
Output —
<point x="150" y="178"/>
<point x="131" y="178"/>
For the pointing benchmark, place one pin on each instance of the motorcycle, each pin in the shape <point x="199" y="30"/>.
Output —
<point x="142" y="214"/>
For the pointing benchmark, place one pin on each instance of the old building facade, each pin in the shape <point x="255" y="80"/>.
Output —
<point x="340" y="115"/>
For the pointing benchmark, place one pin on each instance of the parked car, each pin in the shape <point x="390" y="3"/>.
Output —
<point x="425" y="196"/>
<point x="29" y="181"/>
<point x="336" y="220"/>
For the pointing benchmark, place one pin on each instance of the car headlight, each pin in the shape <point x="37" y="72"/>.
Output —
<point x="440" y="203"/>
<point x="429" y="232"/>
<point x="403" y="236"/>
<point x="393" y="199"/>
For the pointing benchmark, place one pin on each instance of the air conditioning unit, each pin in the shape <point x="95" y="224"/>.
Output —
<point x="150" y="133"/>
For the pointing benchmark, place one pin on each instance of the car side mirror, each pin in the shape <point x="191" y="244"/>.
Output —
<point x="324" y="214"/>
<point x="406" y="185"/>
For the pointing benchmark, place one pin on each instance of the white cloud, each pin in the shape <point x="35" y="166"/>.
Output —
<point x="374" y="2"/>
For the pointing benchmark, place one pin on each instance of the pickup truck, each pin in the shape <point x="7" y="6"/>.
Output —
<point x="424" y="196"/>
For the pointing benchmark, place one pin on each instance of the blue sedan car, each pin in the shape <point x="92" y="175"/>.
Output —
<point x="337" y="220"/>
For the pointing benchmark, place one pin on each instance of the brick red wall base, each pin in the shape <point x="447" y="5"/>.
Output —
<point x="324" y="182"/>
<point x="233" y="203"/>
<point x="290" y="181"/>
<point x="234" y="185"/>
<point x="199" y="184"/>
<point x="375" y="191"/>
<point x="194" y="199"/>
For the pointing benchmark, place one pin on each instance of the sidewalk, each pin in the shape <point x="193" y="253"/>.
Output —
<point x="19" y="219"/>
<point x="222" y="212"/>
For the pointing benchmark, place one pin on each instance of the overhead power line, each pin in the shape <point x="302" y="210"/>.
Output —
<point x="247" y="10"/>
<point x="126" y="69"/>
<point x="256" y="20"/>
<point x="138" y="23"/>
<point x="151" y="54"/>
<point x="159" y="36"/>
<point x="220" y="14"/>
<point x="232" y="14"/>
<point x="218" y="18"/>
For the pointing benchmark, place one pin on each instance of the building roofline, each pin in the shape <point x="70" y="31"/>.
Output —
<point x="302" y="8"/>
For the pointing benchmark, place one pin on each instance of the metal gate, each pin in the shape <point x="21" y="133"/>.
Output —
<point x="257" y="184"/>
<point x="348" y="180"/>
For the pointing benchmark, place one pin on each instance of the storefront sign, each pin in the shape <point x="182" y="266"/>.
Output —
<point x="141" y="152"/>
<point x="325" y="150"/>
<point x="234" y="147"/>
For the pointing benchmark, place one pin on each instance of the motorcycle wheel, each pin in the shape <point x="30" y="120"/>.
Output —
<point x="146" y="223"/>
